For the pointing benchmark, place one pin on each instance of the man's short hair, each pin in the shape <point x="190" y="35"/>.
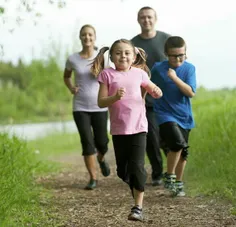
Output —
<point x="147" y="8"/>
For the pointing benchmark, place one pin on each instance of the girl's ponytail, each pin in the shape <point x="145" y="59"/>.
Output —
<point x="140" y="61"/>
<point x="98" y="63"/>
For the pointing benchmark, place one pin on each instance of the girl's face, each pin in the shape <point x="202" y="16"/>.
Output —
<point x="123" y="56"/>
<point x="87" y="37"/>
<point x="176" y="56"/>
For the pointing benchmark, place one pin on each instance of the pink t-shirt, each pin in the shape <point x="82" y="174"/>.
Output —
<point x="127" y="115"/>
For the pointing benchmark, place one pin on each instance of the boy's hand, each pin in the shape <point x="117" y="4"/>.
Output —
<point x="171" y="74"/>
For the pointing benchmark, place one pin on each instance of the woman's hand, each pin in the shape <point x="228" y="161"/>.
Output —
<point x="74" y="90"/>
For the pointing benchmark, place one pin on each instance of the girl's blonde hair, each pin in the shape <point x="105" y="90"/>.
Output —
<point x="140" y="61"/>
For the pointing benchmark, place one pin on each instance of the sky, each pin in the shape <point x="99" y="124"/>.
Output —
<point x="208" y="27"/>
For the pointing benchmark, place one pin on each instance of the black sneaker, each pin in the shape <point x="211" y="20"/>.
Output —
<point x="105" y="169"/>
<point x="136" y="214"/>
<point x="157" y="182"/>
<point x="157" y="179"/>
<point x="92" y="184"/>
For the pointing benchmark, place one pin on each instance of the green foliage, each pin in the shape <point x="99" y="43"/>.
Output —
<point x="2" y="10"/>
<point x="34" y="91"/>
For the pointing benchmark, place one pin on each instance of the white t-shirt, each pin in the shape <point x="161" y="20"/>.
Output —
<point x="86" y="98"/>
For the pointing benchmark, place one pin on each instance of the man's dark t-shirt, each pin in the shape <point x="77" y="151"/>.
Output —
<point x="154" y="48"/>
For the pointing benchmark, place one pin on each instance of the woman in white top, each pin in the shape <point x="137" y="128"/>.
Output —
<point x="90" y="120"/>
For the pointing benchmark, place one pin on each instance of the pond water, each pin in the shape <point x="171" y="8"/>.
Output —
<point x="37" y="130"/>
<point x="32" y="131"/>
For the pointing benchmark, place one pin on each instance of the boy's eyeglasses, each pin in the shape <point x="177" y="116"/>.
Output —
<point x="179" y="56"/>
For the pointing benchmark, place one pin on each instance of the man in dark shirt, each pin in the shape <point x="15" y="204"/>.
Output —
<point x="152" y="41"/>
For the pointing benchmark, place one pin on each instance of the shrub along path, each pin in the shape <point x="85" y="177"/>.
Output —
<point x="110" y="203"/>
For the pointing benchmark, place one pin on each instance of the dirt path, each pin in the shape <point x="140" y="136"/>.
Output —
<point x="110" y="203"/>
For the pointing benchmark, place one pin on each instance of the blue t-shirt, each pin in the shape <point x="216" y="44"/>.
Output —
<point x="174" y="106"/>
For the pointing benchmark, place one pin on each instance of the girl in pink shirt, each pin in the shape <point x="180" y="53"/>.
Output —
<point x="120" y="91"/>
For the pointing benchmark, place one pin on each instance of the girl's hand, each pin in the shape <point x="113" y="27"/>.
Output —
<point x="171" y="74"/>
<point x="120" y="93"/>
<point x="74" y="90"/>
<point x="156" y="92"/>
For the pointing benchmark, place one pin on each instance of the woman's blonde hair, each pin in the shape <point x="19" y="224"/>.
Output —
<point x="140" y="61"/>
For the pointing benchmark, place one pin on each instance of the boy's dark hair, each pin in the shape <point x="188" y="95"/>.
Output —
<point x="174" y="42"/>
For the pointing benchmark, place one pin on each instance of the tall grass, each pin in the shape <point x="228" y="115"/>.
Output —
<point x="19" y="193"/>
<point x="211" y="165"/>
<point x="17" y="185"/>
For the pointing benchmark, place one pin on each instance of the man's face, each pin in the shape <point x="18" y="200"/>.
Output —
<point x="147" y="19"/>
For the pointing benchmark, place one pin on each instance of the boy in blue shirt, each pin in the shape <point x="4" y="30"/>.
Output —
<point x="177" y="79"/>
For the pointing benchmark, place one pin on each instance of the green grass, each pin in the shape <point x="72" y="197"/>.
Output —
<point x="21" y="197"/>
<point x="211" y="166"/>
<point x="18" y="190"/>
<point x="56" y="144"/>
